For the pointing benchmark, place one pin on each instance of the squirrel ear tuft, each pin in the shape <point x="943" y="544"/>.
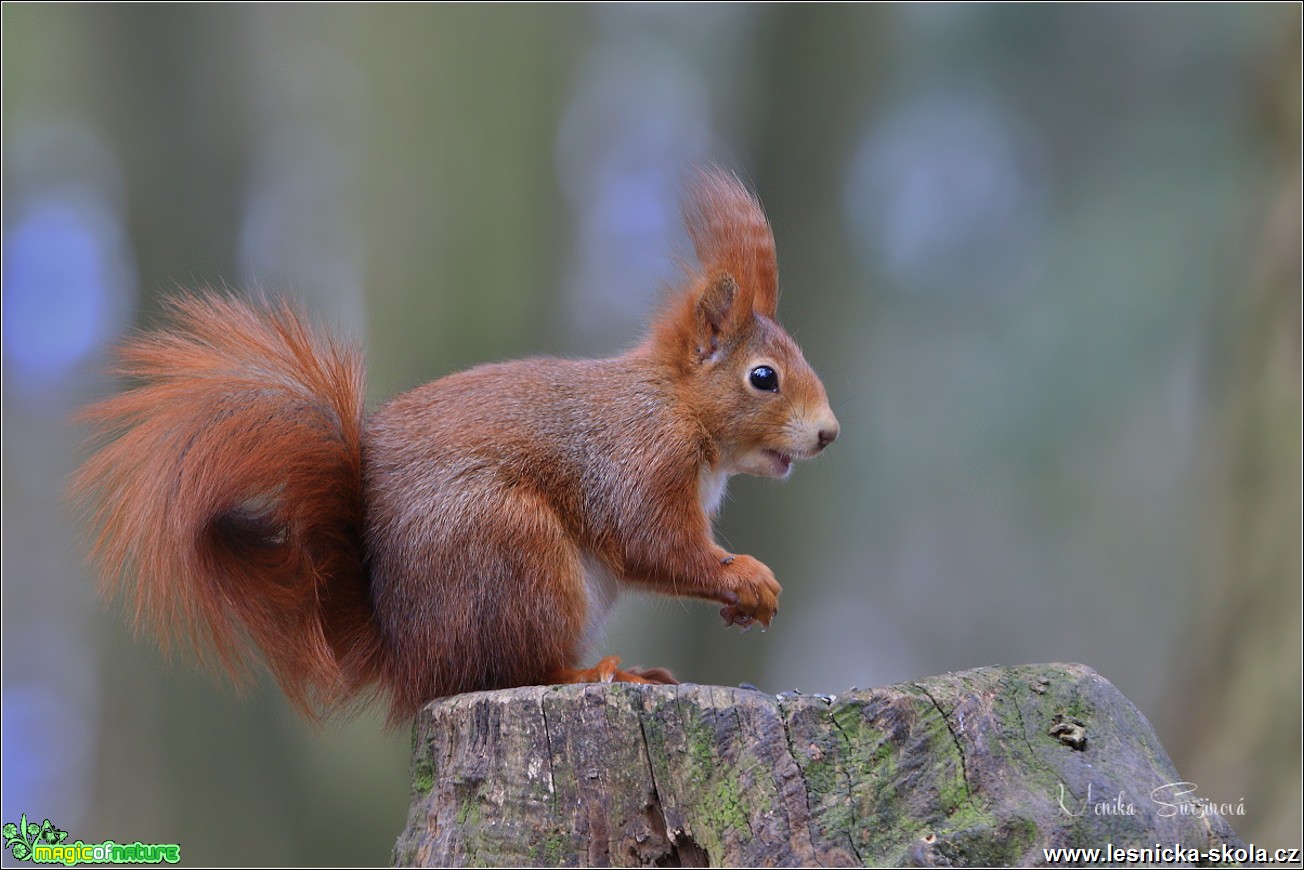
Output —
<point x="730" y="234"/>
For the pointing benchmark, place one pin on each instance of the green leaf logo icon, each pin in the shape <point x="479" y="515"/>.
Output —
<point x="23" y="837"/>
<point x="50" y="835"/>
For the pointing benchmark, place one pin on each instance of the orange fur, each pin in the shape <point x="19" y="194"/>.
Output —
<point x="471" y="533"/>
<point x="228" y="506"/>
<point x="730" y="234"/>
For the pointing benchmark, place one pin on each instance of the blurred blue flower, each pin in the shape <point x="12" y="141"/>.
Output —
<point x="58" y="269"/>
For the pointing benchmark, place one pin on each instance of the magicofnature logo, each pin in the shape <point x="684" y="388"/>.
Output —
<point x="44" y="844"/>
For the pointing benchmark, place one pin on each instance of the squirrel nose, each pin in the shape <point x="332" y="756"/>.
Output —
<point x="827" y="435"/>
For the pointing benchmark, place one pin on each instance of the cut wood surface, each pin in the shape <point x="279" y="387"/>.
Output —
<point x="985" y="767"/>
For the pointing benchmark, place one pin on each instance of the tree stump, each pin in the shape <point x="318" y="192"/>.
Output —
<point x="989" y="766"/>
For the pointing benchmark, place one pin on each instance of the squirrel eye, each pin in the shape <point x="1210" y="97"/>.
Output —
<point x="765" y="378"/>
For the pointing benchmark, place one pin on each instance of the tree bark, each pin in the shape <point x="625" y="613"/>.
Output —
<point x="989" y="766"/>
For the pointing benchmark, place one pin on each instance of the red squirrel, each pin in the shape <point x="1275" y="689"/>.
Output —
<point x="469" y="534"/>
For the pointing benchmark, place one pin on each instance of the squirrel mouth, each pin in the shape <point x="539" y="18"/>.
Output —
<point x="781" y="462"/>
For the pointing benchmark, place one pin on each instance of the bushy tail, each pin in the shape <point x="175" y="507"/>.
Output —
<point x="227" y="506"/>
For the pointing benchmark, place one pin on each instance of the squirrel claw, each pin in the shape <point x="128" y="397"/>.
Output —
<point x="732" y="616"/>
<point x="608" y="671"/>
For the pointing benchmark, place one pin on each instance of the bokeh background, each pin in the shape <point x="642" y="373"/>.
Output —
<point x="1046" y="258"/>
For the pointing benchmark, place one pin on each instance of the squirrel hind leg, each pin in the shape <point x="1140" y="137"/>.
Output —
<point x="607" y="671"/>
<point x="657" y="676"/>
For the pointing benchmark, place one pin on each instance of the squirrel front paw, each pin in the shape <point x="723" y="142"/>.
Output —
<point x="752" y="594"/>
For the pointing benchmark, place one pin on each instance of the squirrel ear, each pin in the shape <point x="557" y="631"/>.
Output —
<point x="718" y="309"/>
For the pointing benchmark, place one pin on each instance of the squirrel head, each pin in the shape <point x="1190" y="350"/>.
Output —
<point x="757" y="398"/>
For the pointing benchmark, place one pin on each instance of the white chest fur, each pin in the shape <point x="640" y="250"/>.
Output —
<point x="601" y="591"/>
<point x="711" y="484"/>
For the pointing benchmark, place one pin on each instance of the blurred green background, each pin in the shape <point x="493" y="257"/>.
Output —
<point x="1046" y="259"/>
